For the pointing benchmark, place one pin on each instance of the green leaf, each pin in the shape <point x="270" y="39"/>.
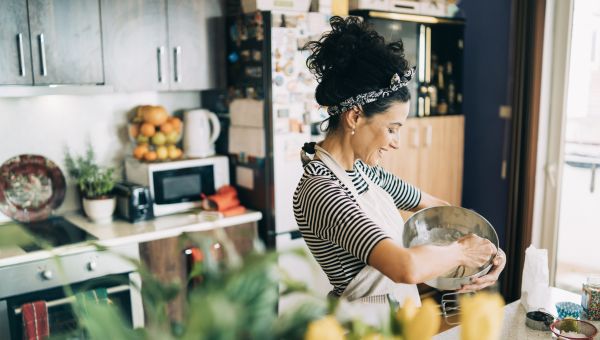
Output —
<point x="15" y="235"/>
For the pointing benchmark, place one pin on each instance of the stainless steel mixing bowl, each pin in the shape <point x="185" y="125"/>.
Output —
<point x="442" y="226"/>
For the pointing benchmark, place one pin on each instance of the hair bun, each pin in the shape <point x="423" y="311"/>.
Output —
<point x="352" y="58"/>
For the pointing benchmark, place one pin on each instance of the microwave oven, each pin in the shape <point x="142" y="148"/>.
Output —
<point x="177" y="186"/>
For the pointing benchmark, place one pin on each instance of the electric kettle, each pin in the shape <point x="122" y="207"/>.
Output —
<point x="202" y="129"/>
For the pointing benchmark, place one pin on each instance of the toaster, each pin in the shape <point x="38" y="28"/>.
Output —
<point x="134" y="202"/>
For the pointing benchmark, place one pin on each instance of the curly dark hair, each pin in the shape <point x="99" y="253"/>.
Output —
<point x="352" y="59"/>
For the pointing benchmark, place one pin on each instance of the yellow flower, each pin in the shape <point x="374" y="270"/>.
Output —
<point x="419" y="323"/>
<point x="327" y="328"/>
<point x="481" y="316"/>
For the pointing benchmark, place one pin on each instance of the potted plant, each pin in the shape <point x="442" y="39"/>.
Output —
<point x="95" y="184"/>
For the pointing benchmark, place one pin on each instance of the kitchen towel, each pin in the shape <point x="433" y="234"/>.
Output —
<point x="35" y="320"/>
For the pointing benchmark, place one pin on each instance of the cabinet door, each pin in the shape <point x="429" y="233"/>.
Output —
<point x="134" y="33"/>
<point x="66" y="42"/>
<point x="188" y="22"/>
<point x="441" y="157"/>
<point x="15" y="51"/>
<point x="404" y="162"/>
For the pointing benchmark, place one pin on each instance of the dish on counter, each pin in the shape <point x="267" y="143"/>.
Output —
<point x="573" y="329"/>
<point x="31" y="187"/>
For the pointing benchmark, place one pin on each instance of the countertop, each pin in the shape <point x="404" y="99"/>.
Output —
<point x="514" y="319"/>
<point x="119" y="232"/>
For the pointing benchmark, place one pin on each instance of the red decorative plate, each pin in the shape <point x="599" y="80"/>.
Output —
<point x="31" y="187"/>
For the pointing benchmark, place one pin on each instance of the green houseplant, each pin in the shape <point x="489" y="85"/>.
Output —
<point x="95" y="184"/>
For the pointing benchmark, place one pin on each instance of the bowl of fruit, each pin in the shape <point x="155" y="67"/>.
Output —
<point x="155" y="134"/>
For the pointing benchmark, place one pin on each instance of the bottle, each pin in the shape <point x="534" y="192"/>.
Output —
<point x="450" y="88"/>
<point x="432" y="89"/>
<point x="442" y="104"/>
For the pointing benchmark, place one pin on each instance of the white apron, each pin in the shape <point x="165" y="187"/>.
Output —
<point x="370" y="286"/>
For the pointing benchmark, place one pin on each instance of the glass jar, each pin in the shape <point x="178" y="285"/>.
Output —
<point x="590" y="298"/>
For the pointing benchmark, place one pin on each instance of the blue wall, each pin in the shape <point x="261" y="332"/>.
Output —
<point x="486" y="74"/>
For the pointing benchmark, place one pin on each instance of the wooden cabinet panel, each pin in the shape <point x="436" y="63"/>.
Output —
<point x="404" y="161"/>
<point x="441" y="157"/>
<point x="15" y="51"/>
<point x="66" y="42"/>
<point x="134" y="34"/>
<point x="430" y="156"/>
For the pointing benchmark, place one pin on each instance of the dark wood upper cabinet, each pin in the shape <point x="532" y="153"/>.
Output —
<point x="155" y="45"/>
<point x="66" y="41"/>
<point x="15" y="51"/>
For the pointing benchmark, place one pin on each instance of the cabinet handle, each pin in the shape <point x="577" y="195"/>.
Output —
<point x="428" y="135"/>
<point x="21" y="56"/>
<point x="43" y="54"/>
<point x="177" y="51"/>
<point x="414" y="140"/>
<point x="159" y="53"/>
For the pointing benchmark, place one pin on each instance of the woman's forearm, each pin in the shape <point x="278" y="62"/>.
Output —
<point x="417" y="264"/>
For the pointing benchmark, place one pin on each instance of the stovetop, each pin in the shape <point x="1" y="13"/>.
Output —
<point x="54" y="232"/>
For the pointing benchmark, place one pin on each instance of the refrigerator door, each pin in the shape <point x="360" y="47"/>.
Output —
<point x="293" y="106"/>
<point x="299" y="268"/>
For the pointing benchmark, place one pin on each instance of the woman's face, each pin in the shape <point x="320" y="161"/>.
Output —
<point x="376" y="135"/>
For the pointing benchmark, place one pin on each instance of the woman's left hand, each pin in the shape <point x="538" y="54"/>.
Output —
<point x="490" y="278"/>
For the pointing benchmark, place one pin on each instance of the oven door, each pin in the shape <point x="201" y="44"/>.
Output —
<point x="121" y="290"/>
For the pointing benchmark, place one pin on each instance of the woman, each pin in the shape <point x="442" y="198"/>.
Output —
<point x="346" y="205"/>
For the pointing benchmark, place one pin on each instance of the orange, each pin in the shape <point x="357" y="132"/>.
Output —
<point x="176" y="122"/>
<point x="155" y="115"/>
<point x="134" y="130"/>
<point x="140" y="151"/>
<point x="147" y="129"/>
<point x="166" y="127"/>
<point x="150" y="156"/>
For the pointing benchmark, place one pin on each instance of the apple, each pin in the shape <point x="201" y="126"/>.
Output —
<point x="159" y="139"/>
<point x="141" y="139"/>
<point x="162" y="152"/>
<point x="173" y="137"/>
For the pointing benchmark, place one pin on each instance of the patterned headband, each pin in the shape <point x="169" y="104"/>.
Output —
<point x="396" y="84"/>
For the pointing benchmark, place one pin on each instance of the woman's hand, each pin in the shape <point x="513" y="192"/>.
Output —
<point x="476" y="250"/>
<point x="490" y="278"/>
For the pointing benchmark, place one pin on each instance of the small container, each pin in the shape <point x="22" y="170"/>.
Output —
<point x="539" y="320"/>
<point x="567" y="309"/>
<point x="590" y="298"/>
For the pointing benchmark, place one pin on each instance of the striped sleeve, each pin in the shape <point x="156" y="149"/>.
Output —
<point x="332" y="214"/>
<point x="405" y="195"/>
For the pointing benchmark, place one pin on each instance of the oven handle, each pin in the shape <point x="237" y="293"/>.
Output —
<point x="70" y="299"/>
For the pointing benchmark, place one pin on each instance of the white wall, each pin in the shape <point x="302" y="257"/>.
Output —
<point x="46" y="125"/>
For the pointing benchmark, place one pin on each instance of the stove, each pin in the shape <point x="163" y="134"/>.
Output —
<point x="55" y="231"/>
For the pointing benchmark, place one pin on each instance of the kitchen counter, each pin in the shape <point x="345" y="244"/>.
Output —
<point x="514" y="319"/>
<point x="119" y="232"/>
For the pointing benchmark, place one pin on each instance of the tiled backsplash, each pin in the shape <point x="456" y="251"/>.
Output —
<point x="47" y="125"/>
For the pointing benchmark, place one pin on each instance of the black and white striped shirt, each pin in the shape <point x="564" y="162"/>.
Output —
<point x="338" y="233"/>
